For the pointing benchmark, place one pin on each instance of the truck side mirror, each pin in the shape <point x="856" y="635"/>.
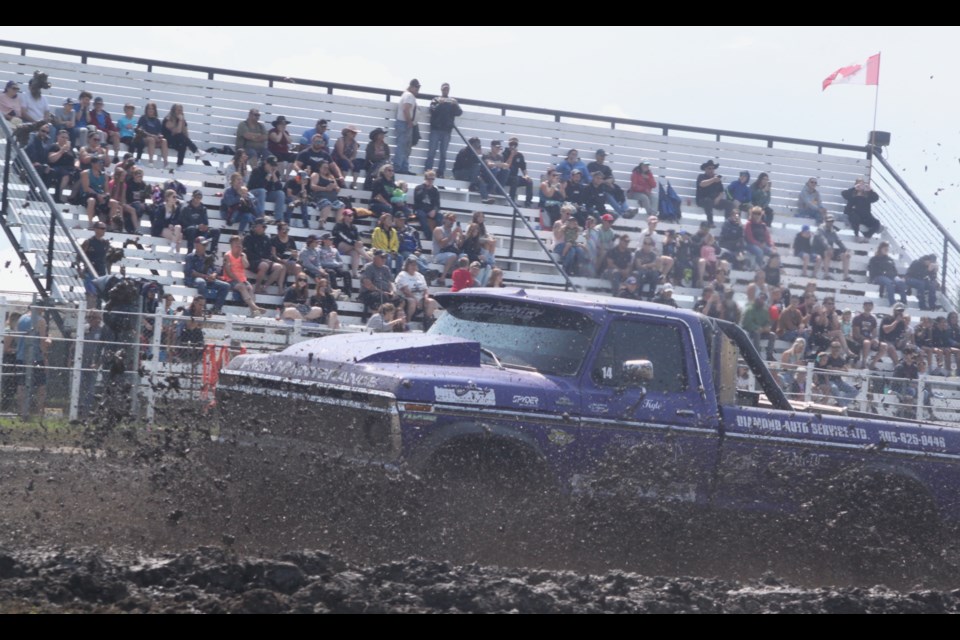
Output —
<point x="637" y="371"/>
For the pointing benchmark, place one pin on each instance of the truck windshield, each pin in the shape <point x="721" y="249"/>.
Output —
<point x="551" y="340"/>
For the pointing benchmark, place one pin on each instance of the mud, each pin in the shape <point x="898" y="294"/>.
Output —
<point x="110" y="518"/>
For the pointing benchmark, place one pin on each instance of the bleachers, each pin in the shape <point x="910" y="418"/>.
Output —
<point x="213" y="109"/>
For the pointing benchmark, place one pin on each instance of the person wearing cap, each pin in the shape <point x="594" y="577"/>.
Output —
<point x="921" y="276"/>
<point x="96" y="247"/>
<point x="594" y="197"/>
<point x="346" y="154"/>
<point x="894" y="329"/>
<point x="809" y="202"/>
<point x="643" y="187"/>
<point x="552" y="196"/>
<point x="376" y="155"/>
<point x="803" y="249"/>
<point x="200" y="271"/>
<point x="516" y="173"/>
<point x="65" y="118"/>
<point x="616" y="198"/>
<point x="332" y="263"/>
<point x="573" y="194"/>
<point x="252" y="136"/>
<point x="860" y="198"/>
<point x="757" y="238"/>
<point x="569" y="163"/>
<point x="760" y="197"/>
<point x="127" y="126"/>
<point x="444" y="111"/>
<point x="404" y="127"/>
<point x="834" y="360"/>
<point x="93" y="192"/>
<point x="34" y="103"/>
<point x="235" y="265"/>
<point x="467" y="167"/>
<point x="494" y="161"/>
<point x="665" y="296"/>
<point x="426" y="203"/>
<point x="740" y="191"/>
<point x="279" y="143"/>
<point x="196" y="222"/>
<point x="710" y="192"/>
<point x="309" y="258"/>
<point x="619" y="263"/>
<point x="10" y="105"/>
<point x="104" y="123"/>
<point x="882" y="271"/>
<point x="410" y="245"/>
<point x="566" y="235"/>
<point x="266" y="184"/>
<point x="828" y="244"/>
<point x="757" y="323"/>
<point x="319" y="129"/>
<point x="412" y="285"/>
<point x="346" y="238"/>
<point x="376" y="283"/>
<point x="263" y="262"/>
<point x="630" y="289"/>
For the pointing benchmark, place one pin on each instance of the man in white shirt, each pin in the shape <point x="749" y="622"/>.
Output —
<point x="406" y="119"/>
<point x="35" y="106"/>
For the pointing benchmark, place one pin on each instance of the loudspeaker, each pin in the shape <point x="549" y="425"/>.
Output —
<point x="879" y="138"/>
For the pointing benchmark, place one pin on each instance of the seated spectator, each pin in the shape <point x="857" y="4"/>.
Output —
<point x="488" y="259"/>
<point x="333" y="265"/>
<point x="792" y="360"/>
<point x="630" y="289"/>
<point x="296" y="190"/>
<point x="117" y="188"/>
<point x="265" y="184"/>
<point x="895" y="329"/>
<point x="710" y="192"/>
<point x="516" y="173"/>
<point x="664" y="262"/>
<point x="385" y="239"/>
<point x="346" y="238"/>
<point x="643" y="187"/>
<point x="828" y="244"/>
<point x="398" y="199"/>
<point x="616" y="198"/>
<point x="566" y="235"/>
<point x="376" y="283"/>
<point x="93" y="193"/>
<point x="196" y="223"/>
<point x="320" y="129"/>
<point x="284" y="250"/>
<point x="259" y="251"/>
<point x="325" y="299"/>
<point x="732" y="241"/>
<point x="710" y="264"/>
<point x="494" y="161"/>
<point x="127" y="127"/>
<point x="859" y="199"/>
<point x="760" y="197"/>
<point x="346" y="154"/>
<point x="150" y="135"/>
<point x="34" y="105"/>
<point x="235" y="265"/>
<point x="36" y="150"/>
<point x="103" y="122"/>
<point x="312" y="155"/>
<point x="426" y="203"/>
<point x="309" y="258"/>
<point x="252" y="136"/>
<point x="239" y="164"/>
<point x="568" y="164"/>
<point x="573" y="193"/>
<point x="595" y="197"/>
<point x="237" y="205"/>
<point x="803" y="249"/>
<point x="82" y="121"/>
<point x="296" y="302"/>
<point x="756" y="322"/>
<point x="386" y="320"/>
<point x="809" y="202"/>
<point x="495" y="281"/>
<point x="412" y="286"/>
<point x="552" y="196"/>
<point x="665" y="296"/>
<point x="740" y="191"/>
<point x="757" y="237"/>
<point x="771" y="270"/>
<point x="467" y="167"/>
<point x="62" y="160"/>
<point x="864" y="332"/>
<point x="10" y="105"/>
<point x="177" y="134"/>
<point x="200" y="272"/>
<point x="410" y="245"/>
<point x="462" y="276"/>
<point x="279" y="144"/>
<point x="619" y="264"/>
<point x="94" y="149"/>
<point x="381" y="191"/>
<point x="834" y="360"/>
<point x="447" y="240"/>
<point x="882" y="271"/>
<point x="922" y="278"/>
<point x="377" y="154"/>
<point x="165" y="220"/>
<point x="324" y="191"/>
<point x="791" y="323"/>
<point x="65" y="118"/>
<point x="942" y="342"/>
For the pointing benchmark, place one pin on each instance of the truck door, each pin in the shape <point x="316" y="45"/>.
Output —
<point x="653" y="439"/>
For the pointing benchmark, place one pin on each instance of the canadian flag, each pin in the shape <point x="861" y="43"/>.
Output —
<point x="866" y="73"/>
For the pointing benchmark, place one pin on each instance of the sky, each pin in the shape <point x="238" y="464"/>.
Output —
<point x="755" y="79"/>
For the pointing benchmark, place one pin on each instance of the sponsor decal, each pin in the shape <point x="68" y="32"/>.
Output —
<point x="597" y="407"/>
<point x="526" y="401"/>
<point x="653" y="405"/>
<point x="564" y="401"/>
<point x="466" y="395"/>
<point x="559" y="438"/>
<point x="519" y="313"/>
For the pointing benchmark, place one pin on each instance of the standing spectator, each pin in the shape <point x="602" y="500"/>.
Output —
<point x="922" y="278"/>
<point x="643" y="187"/>
<point x="150" y="134"/>
<point x="117" y="188"/>
<point x="346" y="238"/>
<point x="859" y="199"/>
<point x="828" y="244"/>
<point x="259" y="252"/>
<point x="882" y="271"/>
<point x="447" y="240"/>
<point x="406" y="120"/>
<point x="279" y="143"/>
<point x="235" y="265"/>
<point x="196" y="223"/>
<point x="320" y="129"/>
<point x="710" y="192"/>
<point x="760" y="197"/>
<point x="346" y="154"/>
<point x="96" y="248"/>
<point x="426" y="202"/>
<point x="568" y="164"/>
<point x="756" y="322"/>
<point x="332" y="263"/>
<point x="757" y="236"/>
<point x="443" y="112"/>
<point x="95" y="339"/>
<point x="517" y="173"/>
<point x="177" y="136"/>
<point x="740" y="191"/>
<point x="412" y="286"/>
<point x="200" y="271"/>
<point x="467" y="167"/>
<point x="103" y="122"/>
<point x="803" y="248"/>
<point x="237" y="204"/>
<point x="809" y="202"/>
<point x="35" y="107"/>
<point x="376" y="155"/>
<point x="252" y="136"/>
<point x="10" y="105"/>
<point x="266" y="184"/>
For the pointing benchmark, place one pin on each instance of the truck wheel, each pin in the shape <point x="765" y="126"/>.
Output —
<point x="491" y="501"/>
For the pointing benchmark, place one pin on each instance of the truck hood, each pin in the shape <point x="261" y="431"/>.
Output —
<point x="411" y="367"/>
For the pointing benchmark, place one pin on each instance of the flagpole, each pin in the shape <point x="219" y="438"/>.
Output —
<point x="873" y="131"/>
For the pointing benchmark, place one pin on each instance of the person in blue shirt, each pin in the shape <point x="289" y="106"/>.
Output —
<point x="740" y="191"/>
<point x="568" y="164"/>
<point x="319" y="129"/>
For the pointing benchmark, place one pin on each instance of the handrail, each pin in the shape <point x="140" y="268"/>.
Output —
<point x="517" y="215"/>
<point x="212" y="72"/>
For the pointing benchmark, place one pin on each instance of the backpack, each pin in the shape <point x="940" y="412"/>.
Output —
<point x="669" y="207"/>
